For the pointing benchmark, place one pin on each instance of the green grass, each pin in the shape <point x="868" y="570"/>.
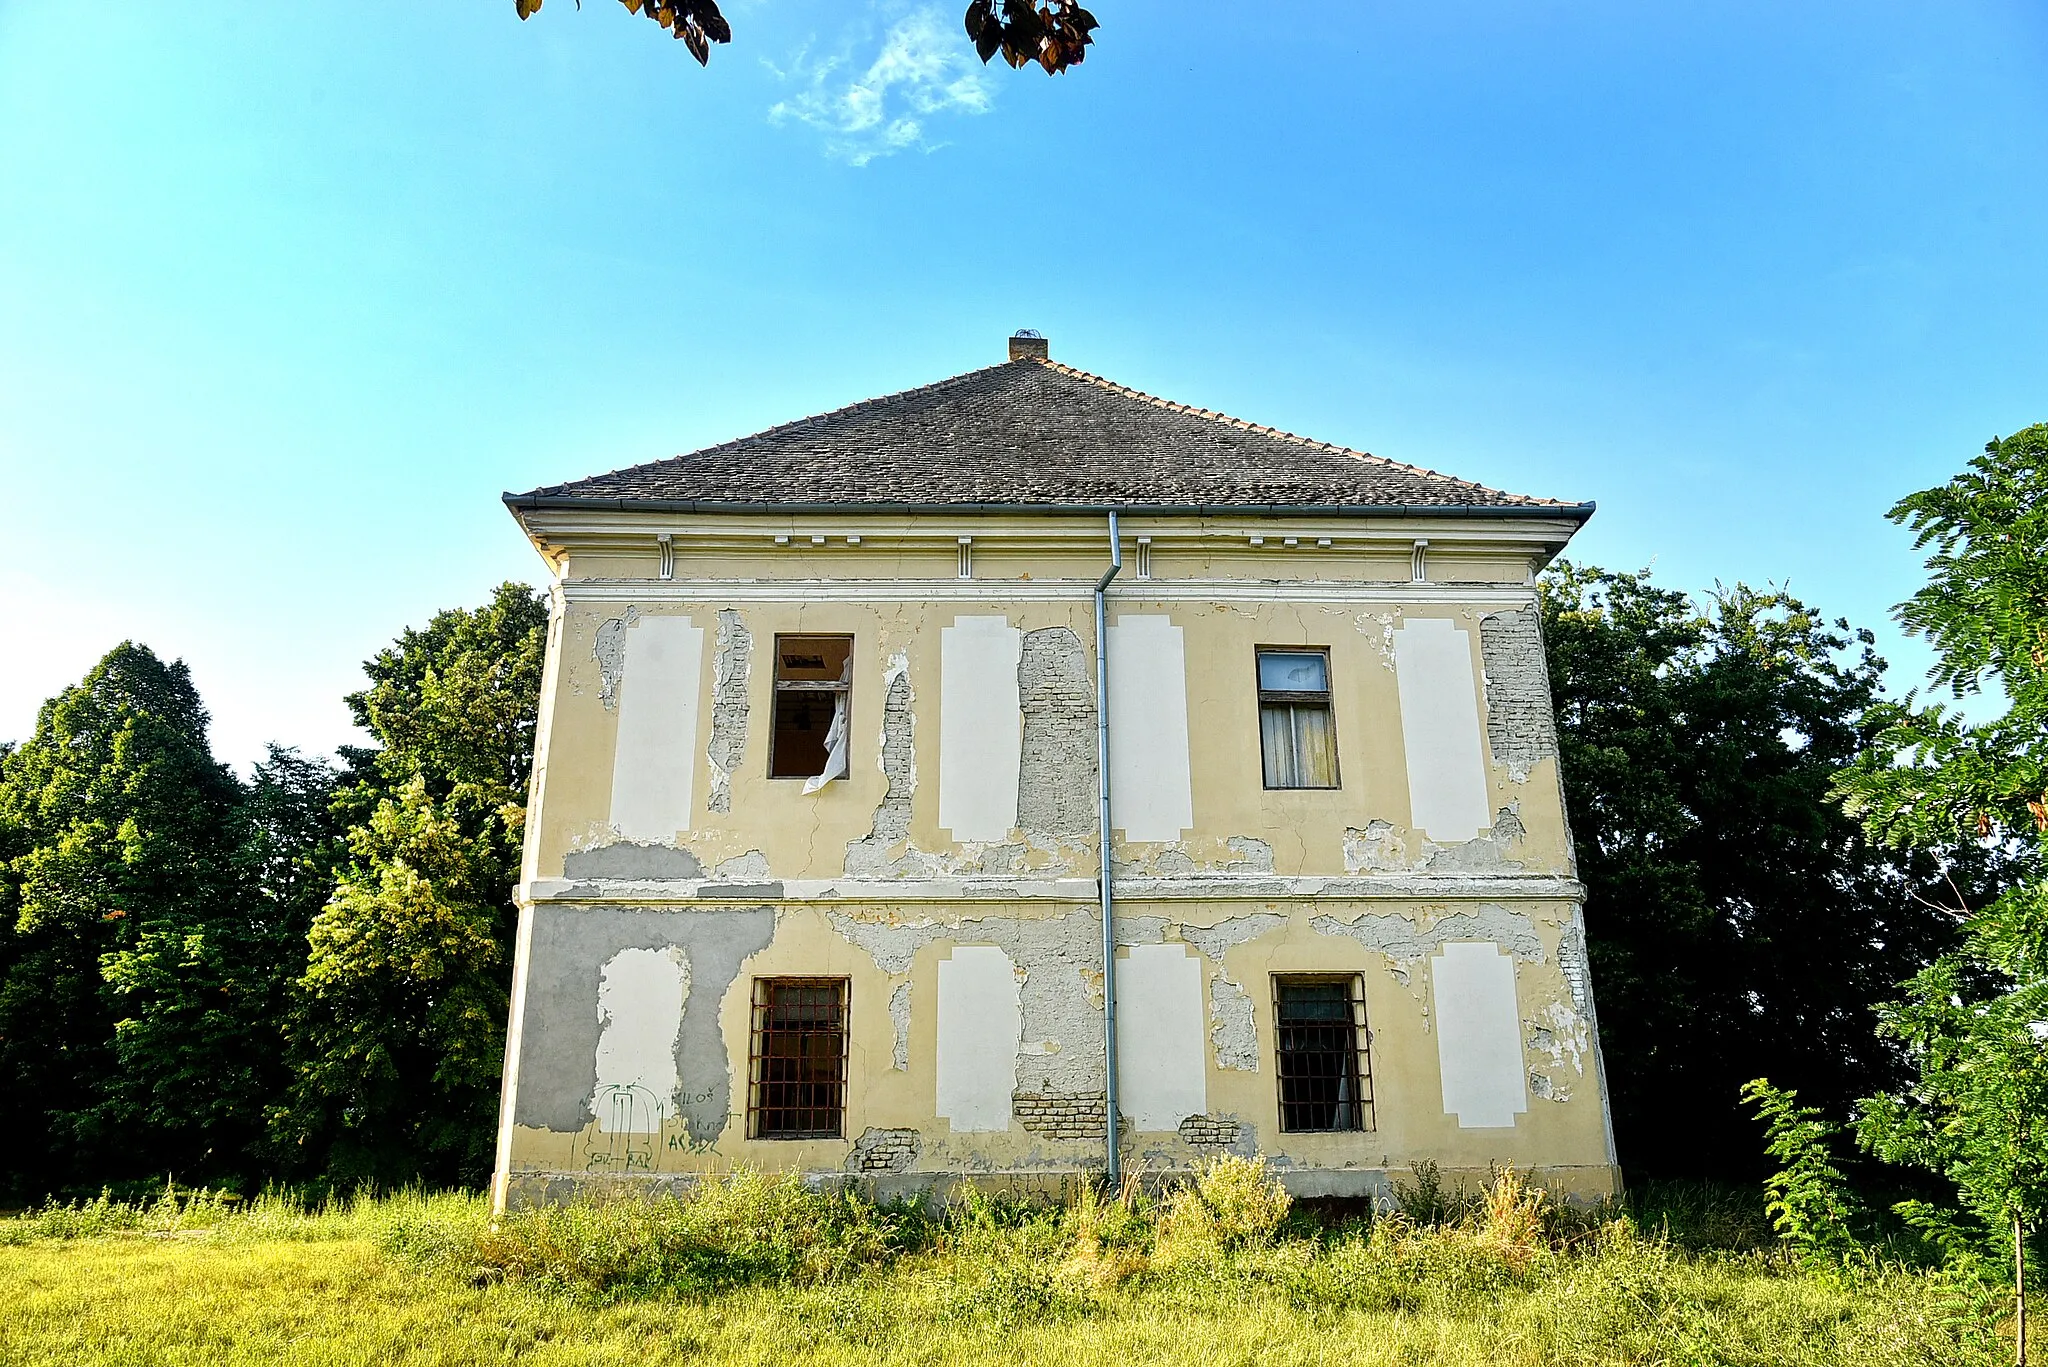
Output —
<point x="762" y="1271"/>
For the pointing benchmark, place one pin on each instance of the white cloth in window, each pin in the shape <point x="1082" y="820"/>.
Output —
<point x="835" y="737"/>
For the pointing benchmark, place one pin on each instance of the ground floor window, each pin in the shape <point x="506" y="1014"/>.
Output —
<point x="798" y="1087"/>
<point x="1323" y="1065"/>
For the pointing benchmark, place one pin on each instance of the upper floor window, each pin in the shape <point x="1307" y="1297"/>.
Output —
<point x="799" y="1059"/>
<point x="813" y="688"/>
<point x="1297" y="734"/>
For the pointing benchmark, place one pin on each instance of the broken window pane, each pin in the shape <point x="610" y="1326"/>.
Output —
<point x="813" y="685"/>
<point x="799" y="1059"/>
<point x="1325" y="1073"/>
<point x="1297" y="735"/>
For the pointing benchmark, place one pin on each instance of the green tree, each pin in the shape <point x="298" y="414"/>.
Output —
<point x="398" y="1031"/>
<point x="1975" y="1024"/>
<point x="1738" y="921"/>
<point x="128" y="984"/>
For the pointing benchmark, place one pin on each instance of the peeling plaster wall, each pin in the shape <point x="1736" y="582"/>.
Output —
<point x="980" y="727"/>
<point x="878" y="876"/>
<point x="654" y="759"/>
<point x="1440" y="729"/>
<point x="1408" y="943"/>
<point x="728" y="706"/>
<point x="1521" y="725"/>
<point x="1056" y="773"/>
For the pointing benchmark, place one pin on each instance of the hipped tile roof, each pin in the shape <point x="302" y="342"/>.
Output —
<point x="1032" y="433"/>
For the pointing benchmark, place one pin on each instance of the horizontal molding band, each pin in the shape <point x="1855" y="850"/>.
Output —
<point x="1122" y="596"/>
<point x="1075" y="891"/>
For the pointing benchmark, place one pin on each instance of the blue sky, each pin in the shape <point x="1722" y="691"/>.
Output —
<point x="289" y="294"/>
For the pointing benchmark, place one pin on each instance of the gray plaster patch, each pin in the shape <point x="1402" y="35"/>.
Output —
<point x="633" y="862"/>
<point x="1401" y="940"/>
<point x="1056" y="777"/>
<point x="728" y="706"/>
<point x="559" y="1032"/>
<point x="1233" y="1027"/>
<point x="743" y="868"/>
<point x="1217" y="940"/>
<point x="1233" y="1031"/>
<point x="741" y="892"/>
<point x="1253" y="855"/>
<point x="1520" y="727"/>
<point x="609" y="646"/>
<point x="899" y="1017"/>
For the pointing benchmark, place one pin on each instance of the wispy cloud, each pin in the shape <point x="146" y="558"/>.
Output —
<point x="925" y="71"/>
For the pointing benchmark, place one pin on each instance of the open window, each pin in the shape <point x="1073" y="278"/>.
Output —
<point x="1324" y="1068"/>
<point x="1297" y="734"/>
<point x="813" y="687"/>
<point x="798" y="1084"/>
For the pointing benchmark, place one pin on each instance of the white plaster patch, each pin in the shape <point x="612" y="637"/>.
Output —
<point x="1151" y="793"/>
<point x="980" y="1020"/>
<point x="1440" y="728"/>
<point x="654" y="763"/>
<point x="1478" y="1035"/>
<point x="1162" y="1068"/>
<point x="981" y="727"/>
<point x="640" y="996"/>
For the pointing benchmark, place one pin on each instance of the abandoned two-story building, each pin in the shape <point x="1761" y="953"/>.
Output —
<point x="814" y="873"/>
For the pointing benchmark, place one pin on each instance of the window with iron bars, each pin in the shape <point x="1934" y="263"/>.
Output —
<point x="1323" y="1064"/>
<point x="798" y="1063"/>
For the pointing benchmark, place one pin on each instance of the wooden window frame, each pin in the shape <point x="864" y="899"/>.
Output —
<point x="1359" y="1057"/>
<point x="761" y="1104"/>
<point x="1326" y="699"/>
<point x="787" y="687"/>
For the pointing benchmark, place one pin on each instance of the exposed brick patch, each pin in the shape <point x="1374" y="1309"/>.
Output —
<point x="1520" y="729"/>
<point x="1209" y="1132"/>
<point x="884" y="1151"/>
<point x="1063" y="1115"/>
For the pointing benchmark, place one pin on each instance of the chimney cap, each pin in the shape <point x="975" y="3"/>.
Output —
<point x="1029" y="343"/>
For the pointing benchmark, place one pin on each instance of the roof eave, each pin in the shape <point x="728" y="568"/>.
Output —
<point x="1570" y="512"/>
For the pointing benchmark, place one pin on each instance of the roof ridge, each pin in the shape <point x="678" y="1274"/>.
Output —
<point x="1245" y="425"/>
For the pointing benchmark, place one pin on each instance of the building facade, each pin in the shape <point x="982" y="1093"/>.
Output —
<point x="812" y="875"/>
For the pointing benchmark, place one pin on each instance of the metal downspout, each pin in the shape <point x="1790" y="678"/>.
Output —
<point x="1114" y="1171"/>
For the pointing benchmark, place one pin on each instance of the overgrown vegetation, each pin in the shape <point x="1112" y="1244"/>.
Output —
<point x="753" y="1268"/>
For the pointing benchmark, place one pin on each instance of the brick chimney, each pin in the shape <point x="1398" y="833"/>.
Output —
<point x="1026" y="344"/>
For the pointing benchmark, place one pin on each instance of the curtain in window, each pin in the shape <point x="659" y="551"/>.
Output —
<point x="1299" y="747"/>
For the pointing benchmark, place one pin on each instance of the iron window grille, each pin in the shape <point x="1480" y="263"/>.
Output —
<point x="813" y="690"/>
<point x="1323" y="1063"/>
<point x="1297" y="727"/>
<point x="798" y="1059"/>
